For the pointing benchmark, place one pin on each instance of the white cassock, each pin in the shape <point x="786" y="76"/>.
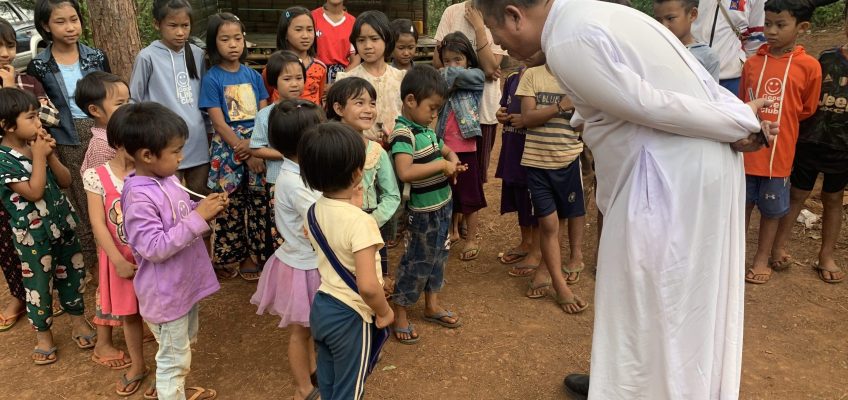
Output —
<point x="670" y="290"/>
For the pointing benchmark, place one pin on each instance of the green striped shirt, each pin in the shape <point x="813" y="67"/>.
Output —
<point x="428" y="194"/>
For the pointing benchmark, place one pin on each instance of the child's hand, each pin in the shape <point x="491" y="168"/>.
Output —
<point x="212" y="205"/>
<point x="242" y="149"/>
<point x="256" y="165"/>
<point x="41" y="147"/>
<point x="125" y="269"/>
<point x="49" y="138"/>
<point x="502" y="116"/>
<point x="449" y="169"/>
<point x="383" y="320"/>
<point x="473" y="15"/>
<point x="7" y="74"/>
<point x="517" y="121"/>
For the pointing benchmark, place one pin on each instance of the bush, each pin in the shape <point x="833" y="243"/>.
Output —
<point x="823" y="17"/>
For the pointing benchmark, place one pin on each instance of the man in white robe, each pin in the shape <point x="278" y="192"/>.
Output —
<point x="666" y="140"/>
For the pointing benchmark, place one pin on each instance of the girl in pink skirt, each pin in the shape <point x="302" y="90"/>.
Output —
<point x="290" y="278"/>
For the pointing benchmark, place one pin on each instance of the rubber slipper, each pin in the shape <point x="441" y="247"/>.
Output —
<point x="522" y="270"/>
<point x="151" y="393"/>
<point x="409" y="330"/>
<point x="470" y="254"/>
<point x="781" y="265"/>
<point x="7" y="323"/>
<point x="201" y="393"/>
<point x="568" y="273"/>
<point x="57" y="309"/>
<point x="512" y="256"/>
<point x="532" y="288"/>
<point x="757" y="279"/>
<point x="574" y="299"/>
<point x="126" y="382"/>
<point x="226" y="272"/>
<point x="89" y="339"/>
<point x="244" y="272"/>
<point x="104" y="361"/>
<point x="46" y="353"/>
<point x="437" y="319"/>
<point x="821" y="270"/>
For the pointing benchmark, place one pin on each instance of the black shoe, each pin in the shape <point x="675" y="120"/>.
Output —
<point x="577" y="386"/>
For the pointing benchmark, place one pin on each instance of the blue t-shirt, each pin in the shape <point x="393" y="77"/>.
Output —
<point x="237" y="94"/>
<point x="71" y="74"/>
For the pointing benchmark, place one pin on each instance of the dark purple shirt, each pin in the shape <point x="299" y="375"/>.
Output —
<point x="512" y="142"/>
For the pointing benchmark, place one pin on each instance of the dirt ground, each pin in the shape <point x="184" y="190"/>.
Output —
<point x="510" y="347"/>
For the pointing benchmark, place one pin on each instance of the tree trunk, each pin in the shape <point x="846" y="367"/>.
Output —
<point x="115" y="31"/>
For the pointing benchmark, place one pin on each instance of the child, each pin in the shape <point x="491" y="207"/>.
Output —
<point x="678" y="16"/>
<point x="169" y="71"/>
<point x="333" y="25"/>
<point x="232" y="93"/>
<point x="42" y="222"/>
<point x="343" y="318"/>
<point x="406" y="45"/>
<point x="551" y="152"/>
<point x="353" y="102"/>
<point x="164" y="229"/>
<point x="285" y="74"/>
<point x="116" y="296"/>
<point x="374" y="41"/>
<point x="99" y="94"/>
<point x="459" y="127"/>
<point x="822" y="148"/>
<point x="59" y="67"/>
<point x="290" y="279"/>
<point x="297" y="33"/>
<point x="787" y="75"/>
<point x="426" y="163"/>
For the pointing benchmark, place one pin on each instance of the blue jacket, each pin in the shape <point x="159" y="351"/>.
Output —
<point x="466" y="90"/>
<point x="44" y="68"/>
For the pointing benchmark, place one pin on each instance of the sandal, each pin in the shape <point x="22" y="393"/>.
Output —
<point x="409" y="330"/>
<point x="533" y="290"/>
<point x="573" y="299"/>
<point x="46" y="353"/>
<point x="7" y="323"/>
<point x="226" y="272"/>
<point x="250" y="274"/>
<point x="134" y="381"/>
<point x="821" y="270"/>
<point x="437" y="318"/>
<point x="150" y="393"/>
<point x="469" y="254"/>
<point x="522" y="270"/>
<point x="570" y="272"/>
<point x="57" y="308"/>
<point x="201" y="393"/>
<point x="512" y="256"/>
<point x="782" y="264"/>
<point x="89" y="340"/>
<point x="104" y="361"/>
<point x="758" y="279"/>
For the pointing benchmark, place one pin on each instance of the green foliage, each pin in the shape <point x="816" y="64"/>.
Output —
<point x="146" y="30"/>
<point x="824" y="16"/>
<point x="434" y="14"/>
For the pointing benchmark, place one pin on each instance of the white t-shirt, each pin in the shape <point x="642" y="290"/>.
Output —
<point x="91" y="181"/>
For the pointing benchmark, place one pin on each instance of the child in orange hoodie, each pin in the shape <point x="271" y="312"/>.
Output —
<point x="782" y="72"/>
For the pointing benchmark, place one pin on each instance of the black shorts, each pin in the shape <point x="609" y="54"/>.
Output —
<point x="812" y="159"/>
<point x="559" y="190"/>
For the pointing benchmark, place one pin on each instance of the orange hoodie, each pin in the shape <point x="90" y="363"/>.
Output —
<point x="793" y="81"/>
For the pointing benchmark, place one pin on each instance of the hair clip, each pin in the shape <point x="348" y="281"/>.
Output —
<point x="288" y="14"/>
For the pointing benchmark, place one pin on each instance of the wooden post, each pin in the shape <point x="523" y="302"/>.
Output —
<point x="114" y="29"/>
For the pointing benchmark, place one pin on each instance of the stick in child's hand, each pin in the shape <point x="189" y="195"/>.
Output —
<point x="187" y="190"/>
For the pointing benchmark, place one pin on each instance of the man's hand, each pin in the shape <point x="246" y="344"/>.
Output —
<point x="754" y="141"/>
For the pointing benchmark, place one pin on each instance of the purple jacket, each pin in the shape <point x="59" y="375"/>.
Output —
<point x="166" y="237"/>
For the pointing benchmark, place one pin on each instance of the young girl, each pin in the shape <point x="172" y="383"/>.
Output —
<point x="374" y="41"/>
<point x="459" y="127"/>
<point x="290" y="279"/>
<point x="403" y="58"/>
<point x="352" y="101"/>
<point x="169" y="72"/>
<point x="296" y="33"/>
<point x="345" y="317"/>
<point x="164" y="228"/>
<point x="117" y="266"/>
<point x="59" y="67"/>
<point x="42" y="222"/>
<point x="332" y="30"/>
<point x="232" y="94"/>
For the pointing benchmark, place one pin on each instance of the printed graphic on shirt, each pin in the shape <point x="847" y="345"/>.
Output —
<point x="241" y="102"/>
<point x="116" y="217"/>
<point x="737" y="5"/>
<point x="184" y="88"/>
<point x="772" y="90"/>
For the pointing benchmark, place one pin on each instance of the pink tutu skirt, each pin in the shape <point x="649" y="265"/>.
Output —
<point x="286" y="292"/>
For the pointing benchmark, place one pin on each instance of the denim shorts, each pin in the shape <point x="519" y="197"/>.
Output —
<point x="770" y="195"/>
<point x="422" y="267"/>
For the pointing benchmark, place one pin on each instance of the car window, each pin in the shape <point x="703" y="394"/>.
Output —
<point x="9" y="14"/>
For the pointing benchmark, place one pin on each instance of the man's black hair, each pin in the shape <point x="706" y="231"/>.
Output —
<point x="422" y="82"/>
<point x="13" y="103"/>
<point x="344" y="90"/>
<point x="688" y="5"/>
<point x="495" y="8"/>
<point x="287" y="122"/>
<point x="330" y="155"/>
<point x="94" y="88"/>
<point x="145" y="125"/>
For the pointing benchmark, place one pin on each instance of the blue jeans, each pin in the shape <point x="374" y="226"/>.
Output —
<point x="422" y="267"/>
<point x="770" y="195"/>
<point x="173" y="360"/>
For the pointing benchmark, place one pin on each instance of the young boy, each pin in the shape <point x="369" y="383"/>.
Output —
<point x="164" y="228"/>
<point x="822" y="148"/>
<point x="423" y="161"/>
<point x="98" y="95"/>
<point x="678" y="16"/>
<point x="787" y="75"/>
<point x="551" y="151"/>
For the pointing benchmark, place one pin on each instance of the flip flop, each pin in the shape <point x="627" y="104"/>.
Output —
<point x="532" y="288"/>
<point x="437" y="319"/>
<point x="573" y="299"/>
<point x="757" y="279"/>
<point x="46" y="353"/>
<point x="512" y="256"/>
<point x="151" y="389"/>
<point x="208" y="394"/>
<point x="57" y="309"/>
<point x="469" y="254"/>
<point x="522" y="270"/>
<point x="126" y="382"/>
<point x="821" y="270"/>
<point x="568" y="273"/>
<point x="88" y="338"/>
<point x="226" y="272"/>
<point x="781" y="265"/>
<point x="255" y="270"/>
<point x="104" y="361"/>
<point x="7" y="323"/>
<point x="409" y="330"/>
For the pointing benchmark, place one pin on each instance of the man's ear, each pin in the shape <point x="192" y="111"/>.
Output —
<point x="514" y="16"/>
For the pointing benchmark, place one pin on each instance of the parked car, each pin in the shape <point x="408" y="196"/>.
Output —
<point x="29" y="41"/>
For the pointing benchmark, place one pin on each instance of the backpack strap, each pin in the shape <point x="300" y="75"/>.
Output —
<point x="319" y="237"/>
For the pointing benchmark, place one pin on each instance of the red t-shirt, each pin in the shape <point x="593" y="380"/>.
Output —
<point x="333" y="41"/>
<point x="313" y="84"/>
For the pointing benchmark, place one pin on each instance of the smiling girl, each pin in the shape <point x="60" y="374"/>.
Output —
<point x="296" y="33"/>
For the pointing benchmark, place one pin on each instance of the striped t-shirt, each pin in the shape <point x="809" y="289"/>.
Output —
<point x="555" y="144"/>
<point x="428" y="194"/>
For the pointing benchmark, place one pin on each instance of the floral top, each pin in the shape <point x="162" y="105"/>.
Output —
<point x="388" y="96"/>
<point x="45" y="219"/>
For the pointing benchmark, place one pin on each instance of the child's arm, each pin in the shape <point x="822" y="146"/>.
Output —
<point x="409" y="172"/>
<point x="370" y="288"/>
<point x="63" y="175"/>
<point x="219" y="123"/>
<point x="140" y="77"/>
<point x="811" y="93"/>
<point x="259" y="145"/>
<point x="267" y="153"/>
<point x="97" y="216"/>
<point x="389" y="199"/>
<point x="33" y="189"/>
<point x="532" y="117"/>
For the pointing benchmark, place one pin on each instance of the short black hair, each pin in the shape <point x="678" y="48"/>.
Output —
<point x="688" y="5"/>
<point x="277" y="64"/>
<point x="43" y="10"/>
<point x="422" y="82"/>
<point x="145" y="125"/>
<point x="287" y="122"/>
<point x="94" y="88"/>
<point x="215" y="23"/>
<point x="403" y="26"/>
<point x="13" y="103"/>
<point x="161" y="9"/>
<point x="329" y="155"/>
<point x="8" y="37"/>
<point x="801" y="10"/>
<point x="380" y="23"/>
<point x="283" y="28"/>
<point x="344" y="90"/>
<point x="495" y="8"/>
<point x="459" y="43"/>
